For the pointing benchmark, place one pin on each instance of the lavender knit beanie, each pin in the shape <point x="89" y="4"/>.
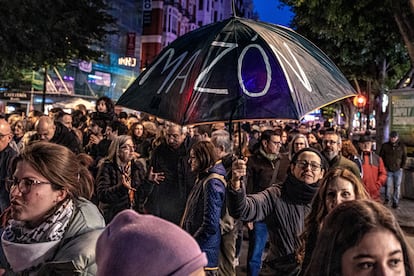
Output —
<point x="134" y="244"/>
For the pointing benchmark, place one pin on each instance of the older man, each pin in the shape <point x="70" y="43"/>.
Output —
<point x="55" y="132"/>
<point x="168" y="197"/>
<point x="331" y="148"/>
<point x="6" y="155"/>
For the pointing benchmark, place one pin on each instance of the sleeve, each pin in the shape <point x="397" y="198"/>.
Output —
<point x="404" y="156"/>
<point x="254" y="207"/>
<point x="382" y="173"/>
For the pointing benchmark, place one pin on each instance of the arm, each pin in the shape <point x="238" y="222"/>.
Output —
<point x="382" y="173"/>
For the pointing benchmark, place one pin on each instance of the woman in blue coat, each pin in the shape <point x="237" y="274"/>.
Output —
<point x="205" y="203"/>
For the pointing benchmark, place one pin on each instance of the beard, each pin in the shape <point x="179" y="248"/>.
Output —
<point x="329" y="155"/>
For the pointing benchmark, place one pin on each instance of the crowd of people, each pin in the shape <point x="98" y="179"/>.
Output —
<point x="104" y="193"/>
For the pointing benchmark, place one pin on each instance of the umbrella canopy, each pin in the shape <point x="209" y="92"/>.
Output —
<point x="237" y="69"/>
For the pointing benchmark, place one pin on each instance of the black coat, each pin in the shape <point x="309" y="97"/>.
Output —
<point x="112" y="195"/>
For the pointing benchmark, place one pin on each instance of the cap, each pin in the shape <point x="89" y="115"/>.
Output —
<point x="394" y="134"/>
<point x="364" y="138"/>
<point x="146" y="245"/>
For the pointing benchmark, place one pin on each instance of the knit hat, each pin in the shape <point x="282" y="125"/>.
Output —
<point x="134" y="244"/>
<point x="394" y="134"/>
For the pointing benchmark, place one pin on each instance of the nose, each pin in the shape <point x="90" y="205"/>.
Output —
<point x="382" y="270"/>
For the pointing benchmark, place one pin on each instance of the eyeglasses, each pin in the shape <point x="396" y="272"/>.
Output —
<point x="128" y="147"/>
<point x="277" y="143"/>
<point x="331" y="142"/>
<point x="24" y="185"/>
<point x="303" y="164"/>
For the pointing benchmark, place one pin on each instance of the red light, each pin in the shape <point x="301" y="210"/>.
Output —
<point x="360" y="101"/>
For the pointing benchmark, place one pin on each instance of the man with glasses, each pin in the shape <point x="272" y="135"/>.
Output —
<point x="6" y="155"/>
<point x="168" y="197"/>
<point x="263" y="171"/>
<point x="331" y="149"/>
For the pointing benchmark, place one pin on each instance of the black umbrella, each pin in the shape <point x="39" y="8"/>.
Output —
<point x="237" y="69"/>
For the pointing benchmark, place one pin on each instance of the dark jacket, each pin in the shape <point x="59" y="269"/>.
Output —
<point x="393" y="155"/>
<point x="167" y="199"/>
<point x="203" y="212"/>
<point x="260" y="172"/>
<point x="63" y="136"/>
<point x="113" y="197"/>
<point x="341" y="161"/>
<point x="6" y="156"/>
<point x="284" y="212"/>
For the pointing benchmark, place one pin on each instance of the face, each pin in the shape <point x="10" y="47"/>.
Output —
<point x="5" y="134"/>
<point x="110" y="134"/>
<point x="393" y="139"/>
<point x="284" y="137"/>
<point x="138" y="130"/>
<point x="46" y="131"/>
<point x="18" y="130"/>
<point x="126" y="151"/>
<point x="308" y="168"/>
<point x="339" y="190"/>
<point x="67" y="121"/>
<point x="101" y="107"/>
<point x="312" y="139"/>
<point x="299" y="144"/>
<point x="174" y="137"/>
<point x="273" y="145"/>
<point x="194" y="162"/>
<point x="378" y="253"/>
<point x="33" y="206"/>
<point x="95" y="128"/>
<point x="366" y="146"/>
<point x="331" y="147"/>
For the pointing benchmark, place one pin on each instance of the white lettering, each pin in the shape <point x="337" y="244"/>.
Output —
<point x="169" y="62"/>
<point x="206" y="71"/>
<point x="301" y="74"/>
<point x="268" y="71"/>
<point x="127" y="61"/>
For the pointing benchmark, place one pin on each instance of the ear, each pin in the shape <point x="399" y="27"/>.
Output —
<point x="61" y="195"/>
<point x="322" y="174"/>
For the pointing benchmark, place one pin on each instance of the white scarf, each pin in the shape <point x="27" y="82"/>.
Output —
<point x="27" y="248"/>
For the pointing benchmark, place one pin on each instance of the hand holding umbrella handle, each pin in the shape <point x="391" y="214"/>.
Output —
<point x="239" y="169"/>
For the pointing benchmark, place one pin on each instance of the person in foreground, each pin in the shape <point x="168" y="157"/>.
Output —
<point x="361" y="237"/>
<point x="339" y="185"/>
<point x="135" y="244"/>
<point x="284" y="210"/>
<point x="51" y="228"/>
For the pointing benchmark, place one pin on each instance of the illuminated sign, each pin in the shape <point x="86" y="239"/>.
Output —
<point x="127" y="61"/>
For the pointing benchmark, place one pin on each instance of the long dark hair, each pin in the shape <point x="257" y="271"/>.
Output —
<point x="345" y="227"/>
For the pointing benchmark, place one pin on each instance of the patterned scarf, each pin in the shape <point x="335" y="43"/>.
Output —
<point x="51" y="229"/>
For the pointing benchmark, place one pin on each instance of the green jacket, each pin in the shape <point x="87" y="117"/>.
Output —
<point x="75" y="254"/>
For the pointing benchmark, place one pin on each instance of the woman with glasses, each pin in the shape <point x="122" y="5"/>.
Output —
<point x="119" y="178"/>
<point x="51" y="229"/>
<point x="284" y="209"/>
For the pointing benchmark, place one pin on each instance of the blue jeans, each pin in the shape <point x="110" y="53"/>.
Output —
<point x="257" y="243"/>
<point x="393" y="184"/>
